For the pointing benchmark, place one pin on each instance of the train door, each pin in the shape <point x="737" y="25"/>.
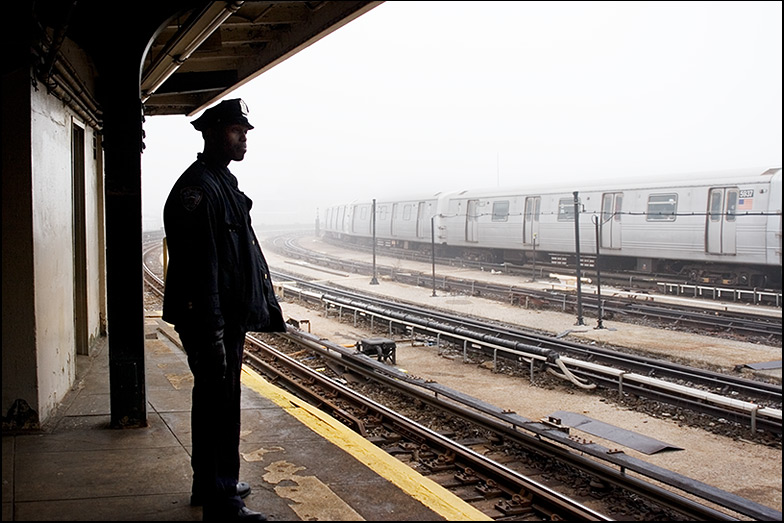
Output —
<point x="383" y="220"/>
<point x="720" y="221"/>
<point x="354" y="227"/>
<point x="612" y="204"/>
<point x="392" y="220"/>
<point x="423" y="220"/>
<point x="531" y="219"/>
<point x="360" y="222"/>
<point x="472" y="221"/>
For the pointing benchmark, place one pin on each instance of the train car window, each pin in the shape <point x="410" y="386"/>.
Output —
<point x="566" y="209"/>
<point x="715" y="205"/>
<point x="612" y="203"/>
<point x="607" y="207"/>
<point x="662" y="207"/>
<point x="407" y="211"/>
<point x="382" y="212"/>
<point x="532" y="206"/>
<point x="732" y="204"/>
<point x="363" y="213"/>
<point x="501" y="211"/>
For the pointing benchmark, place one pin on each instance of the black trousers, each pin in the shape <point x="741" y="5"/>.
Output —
<point x="215" y="420"/>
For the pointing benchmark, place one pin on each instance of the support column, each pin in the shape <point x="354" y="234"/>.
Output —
<point x="124" y="277"/>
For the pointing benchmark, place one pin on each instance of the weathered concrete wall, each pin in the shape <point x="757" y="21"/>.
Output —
<point x="39" y="341"/>
<point x="53" y="260"/>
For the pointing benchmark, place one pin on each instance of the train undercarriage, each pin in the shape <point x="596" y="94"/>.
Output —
<point x="697" y="273"/>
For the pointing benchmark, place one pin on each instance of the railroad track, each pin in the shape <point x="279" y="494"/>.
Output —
<point x="151" y="278"/>
<point x="506" y="494"/>
<point x="633" y="280"/>
<point x="503" y="492"/>
<point x="615" y="307"/>
<point x="500" y="491"/>
<point x="617" y="371"/>
<point x="693" y="389"/>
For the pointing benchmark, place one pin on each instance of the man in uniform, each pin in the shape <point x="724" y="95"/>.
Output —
<point x="218" y="288"/>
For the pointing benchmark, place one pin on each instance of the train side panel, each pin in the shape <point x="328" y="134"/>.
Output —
<point x="500" y="222"/>
<point x="717" y="226"/>
<point x="403" y="220"/>
<point x="361" y="220"/>
<point x="556" y="224"/>
<point x="411" y="220"/>
<point x="497" y="220"/>
<point x="773" y="223"/>
<point x="453" y="220"/>
<point x="383" y="219"/>
<point x="742" y="227"/>
<point x="338" y="221"/>
<point x="662" y="223"/>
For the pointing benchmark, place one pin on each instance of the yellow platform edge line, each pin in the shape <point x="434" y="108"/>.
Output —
<point x="421" y="488"/>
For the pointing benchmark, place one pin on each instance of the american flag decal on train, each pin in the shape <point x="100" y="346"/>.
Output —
<point x="745" y="204"/>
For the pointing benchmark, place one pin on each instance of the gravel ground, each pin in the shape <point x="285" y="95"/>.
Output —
<point x="732" y="463"/>
<point x="726" y="459"/>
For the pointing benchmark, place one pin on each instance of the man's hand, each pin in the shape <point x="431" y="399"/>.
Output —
<point x="218" y="357"/>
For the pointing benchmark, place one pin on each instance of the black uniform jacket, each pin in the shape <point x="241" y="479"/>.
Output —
<point x="217" y="274"/>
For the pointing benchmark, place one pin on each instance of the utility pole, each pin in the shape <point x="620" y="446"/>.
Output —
<point x="433" y="249"/>
<point x="599" y="325"/>
<point x="533" y="272"/>
<point x="374" y="281"/>
<point x="577" y="254"/>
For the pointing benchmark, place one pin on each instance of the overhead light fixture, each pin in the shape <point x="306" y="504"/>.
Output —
<point x="185" y="43"/>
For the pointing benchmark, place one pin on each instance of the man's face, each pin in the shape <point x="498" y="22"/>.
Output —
<point x="234" y="142"/>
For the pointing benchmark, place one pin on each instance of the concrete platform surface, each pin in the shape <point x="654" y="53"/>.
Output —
<point x="301" y="464"/>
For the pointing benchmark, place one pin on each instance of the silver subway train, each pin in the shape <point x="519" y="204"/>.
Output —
<point x="717" y="228"/>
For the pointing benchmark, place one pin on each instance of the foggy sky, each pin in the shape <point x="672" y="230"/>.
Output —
<point x="424" y="97"/>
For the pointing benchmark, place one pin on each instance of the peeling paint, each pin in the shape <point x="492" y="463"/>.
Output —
<point x="313" y="499"/>
<point x="179" y="381"/>
<point x="258" y="454"/>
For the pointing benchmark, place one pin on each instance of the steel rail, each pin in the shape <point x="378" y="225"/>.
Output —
<point x="629" y="362"/>
<point x="714" y="319"/>
<point x="544" y="349"/>
<point x="547" y="501"/>
<point x="630" y="279"/>
<point x="589" y="457"/>
<point x="759" y="512"/>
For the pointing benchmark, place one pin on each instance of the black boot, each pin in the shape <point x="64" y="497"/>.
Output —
<point x="243" y="489"/>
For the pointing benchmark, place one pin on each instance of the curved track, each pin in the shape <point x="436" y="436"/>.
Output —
<point x="437" y="454"/>
<point x="656" y="379"/>
<point x="515" y="500"/>
<point x="618" y="307"/>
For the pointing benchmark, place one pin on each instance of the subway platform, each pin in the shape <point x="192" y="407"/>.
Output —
<point x="301" y="464"/>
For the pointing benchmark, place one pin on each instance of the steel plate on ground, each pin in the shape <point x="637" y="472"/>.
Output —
<point x="621" y="436"/>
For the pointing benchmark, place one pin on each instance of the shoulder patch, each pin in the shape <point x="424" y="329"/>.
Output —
<point x="191" y="197"/>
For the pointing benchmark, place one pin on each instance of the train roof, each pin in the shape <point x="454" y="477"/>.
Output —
<point x="726" y="177"/>
<point x="616" y="183"/>
<point x="399" y="197"/>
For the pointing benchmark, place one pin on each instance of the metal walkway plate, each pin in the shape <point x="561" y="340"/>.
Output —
<point x="624" y="437"/>
<point x="768" y="365"/>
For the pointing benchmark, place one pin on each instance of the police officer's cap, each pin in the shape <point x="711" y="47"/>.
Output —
<point x="225" y="113"/>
